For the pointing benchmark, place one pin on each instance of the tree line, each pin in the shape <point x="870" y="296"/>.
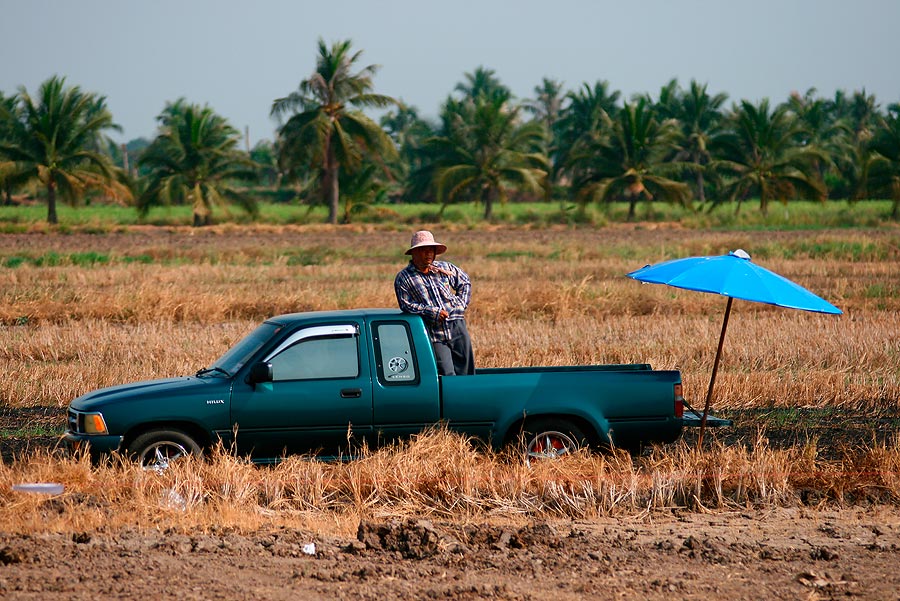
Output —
<point x="582" y="146"/>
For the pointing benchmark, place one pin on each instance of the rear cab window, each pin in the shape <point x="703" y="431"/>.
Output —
<point x="395" y="355"/>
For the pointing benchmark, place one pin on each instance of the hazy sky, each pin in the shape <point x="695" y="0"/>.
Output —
<point x="238" y="56"/>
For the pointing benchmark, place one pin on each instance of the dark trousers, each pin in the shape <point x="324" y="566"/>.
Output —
<point x="455" y="356"/>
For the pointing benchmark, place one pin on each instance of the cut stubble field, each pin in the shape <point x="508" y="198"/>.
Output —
<point x="814" y="453"/>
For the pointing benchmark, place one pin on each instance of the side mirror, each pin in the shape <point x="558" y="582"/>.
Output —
<point x="259" y="372"/>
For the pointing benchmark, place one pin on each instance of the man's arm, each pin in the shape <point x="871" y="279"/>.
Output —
<point x="463" y="287"/>
<point x="409" y="298"/>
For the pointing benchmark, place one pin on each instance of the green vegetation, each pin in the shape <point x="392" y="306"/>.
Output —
<point x="194" y="161"/>
<point x="55" y="139"/>
<point x="630" y="161"/>
<point x="563" y="157"/>
<point x="483" y="148"/>
<point x="323" y="135"/>
<point x="32" y="431"/>
<point x="794" y="215"/>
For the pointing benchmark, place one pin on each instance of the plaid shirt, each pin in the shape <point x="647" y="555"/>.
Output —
<point x="445" y="286"/>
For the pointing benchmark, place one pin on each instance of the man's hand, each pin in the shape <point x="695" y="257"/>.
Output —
<point x="443" y="315"/>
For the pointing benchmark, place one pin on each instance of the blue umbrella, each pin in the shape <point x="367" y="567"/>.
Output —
<point x="733" y="275"/>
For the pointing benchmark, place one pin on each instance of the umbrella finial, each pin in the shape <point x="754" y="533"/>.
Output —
<point x="740" y="253"/>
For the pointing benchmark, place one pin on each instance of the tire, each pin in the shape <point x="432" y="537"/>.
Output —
<point x="156" y="449"/>
<point x="551" y="438"/>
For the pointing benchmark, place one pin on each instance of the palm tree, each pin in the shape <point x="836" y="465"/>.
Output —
<point x="195" y="159"/>
<point x="361" y="188"/>
<point x="547" y="103"/>
<point x="884" y="170"/>
<point x="699" y="117"/>
<point x="483" y="151"/>
<point x="56" y="140"/>
<point x="7" y="127"/>
<point x="630" y="161"/>
<point x="852" y="119"/>
<point x="483" y="82"/>
<point x="264" y="156"/>
<point x="409" y="132"/>
<point x="589" y="111"/>
<point x="547" y="108"/>
<point x="323" y="129"/>
<point x="762" y="154"/>
<point x="833" y="136"/>
<point x="858" y="111"/>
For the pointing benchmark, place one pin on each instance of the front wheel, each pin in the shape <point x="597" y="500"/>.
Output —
<point x="156" y="449"/>
<point x="551" y="439"/>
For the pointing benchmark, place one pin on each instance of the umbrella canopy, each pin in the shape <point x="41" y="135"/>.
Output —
<point x="733" y="275"/>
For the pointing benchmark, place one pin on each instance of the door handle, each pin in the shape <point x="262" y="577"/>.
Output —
<point x="351" y="393"/>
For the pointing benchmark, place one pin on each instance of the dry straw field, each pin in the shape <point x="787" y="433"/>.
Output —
<point x="82" y="311"/>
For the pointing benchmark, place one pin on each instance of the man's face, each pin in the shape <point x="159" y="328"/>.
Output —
<point x="423" y="256"/>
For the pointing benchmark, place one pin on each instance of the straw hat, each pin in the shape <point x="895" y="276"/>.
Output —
<point x="425" y="238"/>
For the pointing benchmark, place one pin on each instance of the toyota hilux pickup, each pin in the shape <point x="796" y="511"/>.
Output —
<point x="329" y="382"/>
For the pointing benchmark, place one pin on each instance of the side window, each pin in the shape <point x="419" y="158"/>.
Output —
<point x="394" y="354"/>
<point x="323" y="357"/>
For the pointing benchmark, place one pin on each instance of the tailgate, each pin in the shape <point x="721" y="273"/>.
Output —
<point x="692" y="419"/>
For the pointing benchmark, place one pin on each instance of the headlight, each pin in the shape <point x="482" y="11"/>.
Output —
<point x="94" y="424"/>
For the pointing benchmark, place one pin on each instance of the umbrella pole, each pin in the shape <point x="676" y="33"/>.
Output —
<point x="712" y="379"/>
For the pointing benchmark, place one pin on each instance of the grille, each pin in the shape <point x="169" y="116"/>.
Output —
<point x="73" y="422"/>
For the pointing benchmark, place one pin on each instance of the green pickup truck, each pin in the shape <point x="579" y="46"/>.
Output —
<point x="327" y="382"/>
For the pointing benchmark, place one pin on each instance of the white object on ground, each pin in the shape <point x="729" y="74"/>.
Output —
<point x="44" y="488"/>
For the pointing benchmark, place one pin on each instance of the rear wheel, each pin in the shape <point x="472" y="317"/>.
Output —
<point x="156" y="449"/>
<point x="551" y="439"/>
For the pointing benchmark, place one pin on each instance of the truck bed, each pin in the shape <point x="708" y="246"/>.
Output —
<point x="624" y="403"/>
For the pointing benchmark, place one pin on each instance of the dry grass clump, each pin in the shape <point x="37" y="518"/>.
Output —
<point x="162" y="302"/>
<point x="548" y="297"/>
<point x="438" y="474"/>
<point x="771" y="358"/>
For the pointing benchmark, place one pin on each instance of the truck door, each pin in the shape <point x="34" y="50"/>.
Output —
<point x="319" y="400"/>
<point x="406" y="388"/>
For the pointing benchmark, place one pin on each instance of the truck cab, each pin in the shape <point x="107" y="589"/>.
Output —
<point x="334" y="382"/>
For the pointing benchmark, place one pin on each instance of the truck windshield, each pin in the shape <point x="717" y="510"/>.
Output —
<point x="240" y="353"/>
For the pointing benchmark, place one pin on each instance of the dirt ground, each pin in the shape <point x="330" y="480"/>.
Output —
<point x="792" y="553"/>
<point x="778" y="553"/>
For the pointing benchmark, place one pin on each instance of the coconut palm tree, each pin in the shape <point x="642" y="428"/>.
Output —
<point x="483" y="82"/>
<point x="858" y="111"/>
<point x="483" y="151"/>
<point x="852" y="119"/>
<point x="326" y="127"/>
<point x="55" y="138"/>
<point x="409" y="132"/>
<point x="264" y="156"/>
<point x="583" y="121"/>
<point x="762" y="154"/>
<point x="883" y="175"/>
<point x="547" y="103"/>
<point x="699" y="117"/>
<point x="195" y="159"/>
<point x="629" y="162"/>
<point x="361" y="188"/>
<point x="547" y="107"/>
<point x="7" y="127"/>
<point x="834" y="136"/>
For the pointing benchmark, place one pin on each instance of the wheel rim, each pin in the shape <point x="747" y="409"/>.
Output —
<point x="549" y="445"/>
<point x="160" y="454"/>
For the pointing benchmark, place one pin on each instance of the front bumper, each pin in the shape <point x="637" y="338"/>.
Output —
<point x="95" y="444"/>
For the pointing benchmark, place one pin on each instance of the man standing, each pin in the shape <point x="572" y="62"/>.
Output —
<point x="439" y="291"/>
